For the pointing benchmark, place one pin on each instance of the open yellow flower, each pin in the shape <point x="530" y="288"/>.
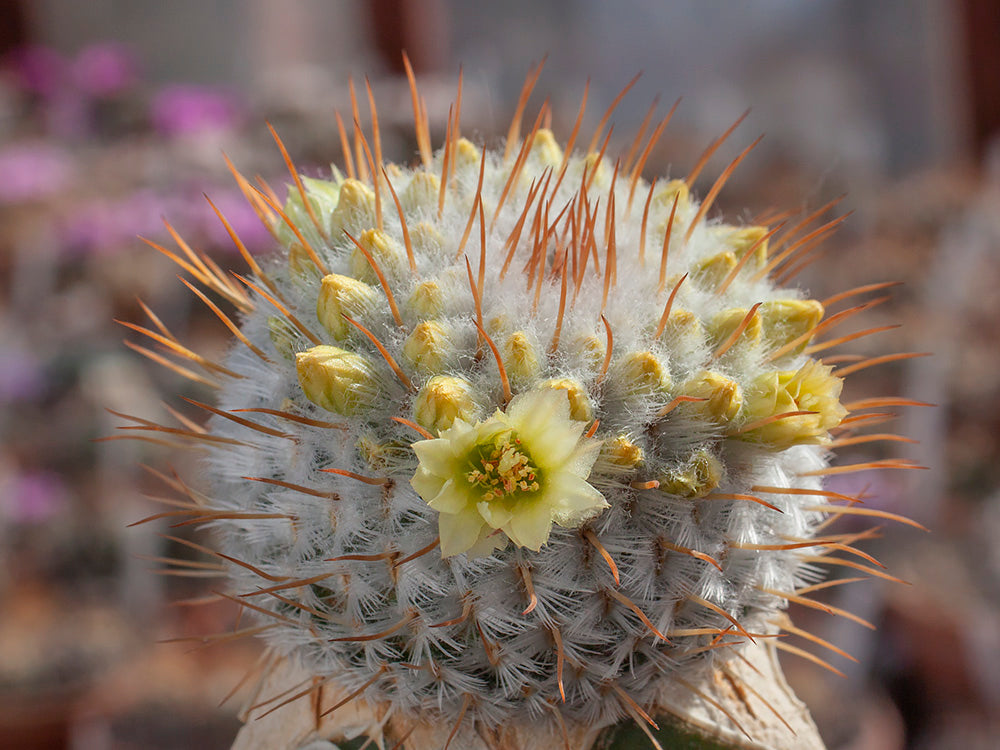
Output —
<point x="517" y="472"/>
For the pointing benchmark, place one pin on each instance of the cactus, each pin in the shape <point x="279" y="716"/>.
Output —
<point x="513" y="441"/>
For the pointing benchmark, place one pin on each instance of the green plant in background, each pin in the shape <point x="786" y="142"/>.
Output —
<point x="515" y="445"/>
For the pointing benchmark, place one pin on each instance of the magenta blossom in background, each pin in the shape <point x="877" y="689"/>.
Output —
<point x="32" y="497"/>
<point x="240" y="216"/>
<point x="102" y="70"/>
<point x="37" y="70"/>
<point x="182" y="110"/>
<point x="32" y="171"/>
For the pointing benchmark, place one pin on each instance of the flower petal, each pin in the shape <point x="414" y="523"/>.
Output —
<point x="426" y="484"/>
<point x="530" y="525"/>
<point x="459" y="531"/>
<point x="435" y="456"/>
<point x="495" y="513"/>
<point x="573" y="501"/>
<point x="450" y="499"/>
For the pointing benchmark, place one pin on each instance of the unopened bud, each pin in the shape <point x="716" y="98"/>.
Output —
<point x="520" y="357"/>
<point x="723" y="396"/>
<point x="683" y="326"/>
<point x="383" y="249"/>
<point x="725" y="323"/>
<point x="744" y="238"/>
<point x="355" y="210"/>
<point x="699" y="476"/>
<point x="442" y="400"/>
<point x="337" y="380"/>
<point x="466" y="154"/>
<point x="785" y="320"/>
<point x="428" y="348"/>
<point x="340" y="296"/>
<point x="642" y="373"/>
<point x="285" y="337"/>
<point x="710" y="272"/>
<point x="580" y="407"/>
<point x="621" y="452"/>
<point x="426" y="301"/>
<point x="421" y="193"/>
<point x="589" y="349"/>
<point x="545" y="149"/>
<point x="426" y="240"/>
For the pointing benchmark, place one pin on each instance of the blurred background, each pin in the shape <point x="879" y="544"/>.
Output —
<point x="114" y="113"/>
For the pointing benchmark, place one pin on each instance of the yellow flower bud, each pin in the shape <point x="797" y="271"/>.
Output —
<point x="339" y="296"/>
<point x="299" y="261"/>
<point x="593" y="161"/>
<point x="284" y="336"/>
<point x="426" y="301"/>
<point x="683" y="329"/>
<point x="710" y="272"/>
<point x="422" y="192"/>
<point x="337" y="380"/>
<point x="466" y="154"/>
<point x="355" y="210"/>
<point x="742" y="239"/>
<point x="520" y="357"/>
<point x="385" y="251"/>
<point x="580" y="407"/>
<point x="621" y="453"/>
<point x="699" y="476"/>
<point x="442" y="400"/>
<point x="426" y="240"/>
<point x="664" y="199"/>
<point x="428" y="348"/>
<point x="724" y="396"/>
<point x="725" y="323"/>
<point x="810" y="388"/>
<point x="589" y="349"/>
<point x="322" y="196"/>
<point x="381" y="456"/>
<point x="784" y="320"/>
<point x="641" y="373"/>
<point x="545" y="149"/>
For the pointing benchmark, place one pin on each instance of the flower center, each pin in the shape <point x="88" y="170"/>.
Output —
<point x="503" y="469"/>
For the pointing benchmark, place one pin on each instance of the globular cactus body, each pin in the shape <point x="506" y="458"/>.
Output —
<point x="509" y="435"/>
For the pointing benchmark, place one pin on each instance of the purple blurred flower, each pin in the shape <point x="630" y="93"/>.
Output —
<point x="33" y="497"/>
<point x="104" y="226"/>
<point x="21" y="375"/>
<point x="104" y="70"/>
<point x="184" y="109"/>
<point x="241" y="217"/>
<point x="38" y="70"/>
<point x="32" y="171"/>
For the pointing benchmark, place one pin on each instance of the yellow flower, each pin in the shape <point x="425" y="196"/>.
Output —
<point x="810" y="388"/>
<point x="517" y="472"/>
